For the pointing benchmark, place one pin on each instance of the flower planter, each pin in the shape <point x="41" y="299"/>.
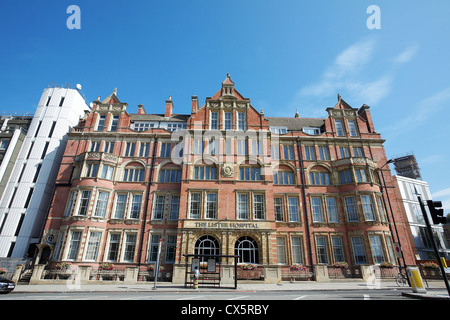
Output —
<point x="343" y="272"/>
<point x="388" y="272"/>
<point x="250" y="272"/>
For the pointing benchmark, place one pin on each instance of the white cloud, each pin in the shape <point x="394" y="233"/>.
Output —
<point x="348" y="63"/>
<point x="441" y="193"/>
<point x="432" y="159"/>
<point x="424" y="110"/>
<point x="354" y="57"/>
<point x="443" y="196"/>
<point x="346" y="75"/>
<point x="370" y="92"/>
<point x="407" y="54"/>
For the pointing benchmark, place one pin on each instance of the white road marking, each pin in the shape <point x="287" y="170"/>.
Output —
<point x="299" y="298"/>
<point x="138" y="298"/>
<point x="191" y="297"/>
<point x="238" y="297"/>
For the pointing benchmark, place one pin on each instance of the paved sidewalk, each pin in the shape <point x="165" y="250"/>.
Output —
<point x="436" y="288"/>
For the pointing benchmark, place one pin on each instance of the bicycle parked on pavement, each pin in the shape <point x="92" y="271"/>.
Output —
<point x="401" y="280"/>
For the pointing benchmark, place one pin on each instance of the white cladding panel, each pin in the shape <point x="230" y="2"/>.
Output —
<point x="47" y="143"/>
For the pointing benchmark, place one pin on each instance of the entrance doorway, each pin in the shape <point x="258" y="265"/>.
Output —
<point x="210" y="267"/>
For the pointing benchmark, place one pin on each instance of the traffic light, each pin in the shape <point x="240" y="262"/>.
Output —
<point x="437" y="214"/>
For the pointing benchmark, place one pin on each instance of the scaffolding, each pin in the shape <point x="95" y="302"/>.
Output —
<point x="406" y="166"/>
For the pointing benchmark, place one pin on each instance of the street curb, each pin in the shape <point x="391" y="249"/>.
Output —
<point x="184" y="290"/>
<point x="424" y="296"/>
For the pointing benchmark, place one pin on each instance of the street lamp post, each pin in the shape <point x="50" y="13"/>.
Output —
<point x="393" y="218"/>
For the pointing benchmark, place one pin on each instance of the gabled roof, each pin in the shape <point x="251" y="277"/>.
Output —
<point x="228" y="80"/>
<point x="112" y="98"/>
<point x="342" y="104"/>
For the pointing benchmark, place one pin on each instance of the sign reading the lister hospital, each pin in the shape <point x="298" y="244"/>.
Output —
<point x="233" y="224"/>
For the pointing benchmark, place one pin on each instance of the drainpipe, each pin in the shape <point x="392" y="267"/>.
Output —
<point x="141" y="244"/>
<point x="302" y="175"/>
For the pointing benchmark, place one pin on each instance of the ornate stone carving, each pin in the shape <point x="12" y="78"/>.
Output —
<point x="227" y="170"/>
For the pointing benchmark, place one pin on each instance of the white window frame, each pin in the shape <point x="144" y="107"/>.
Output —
<point x="293" y="210"/>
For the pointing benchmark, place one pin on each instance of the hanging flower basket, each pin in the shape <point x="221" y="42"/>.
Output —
<point x="2" y="271"/>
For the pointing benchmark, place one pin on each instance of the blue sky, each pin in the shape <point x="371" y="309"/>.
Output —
<point x="283" y="55"/>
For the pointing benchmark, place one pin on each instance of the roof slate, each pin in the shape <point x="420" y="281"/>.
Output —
<point x="295" y="123"/>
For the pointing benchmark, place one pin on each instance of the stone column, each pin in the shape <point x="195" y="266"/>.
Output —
<point x="272" y="274"/>
<point x="37" y="273"/>
<point x="230" y="248"/>
<point x="264" y="248"/>
<point x="18" y="272"/>
<point x="227" y="275"/>
<point x="84" y="273"/>
<point x="179" y="274"/>
<point x="321" y="273"/>
<point x="131" y="275"/>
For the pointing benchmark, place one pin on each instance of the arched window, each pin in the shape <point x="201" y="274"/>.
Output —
<point x="206" y="245"/>
<point x="134" y="172"/>
<point x="247" y="250"/>
<point x="319" y="175"/>
<point x="170" y="174"/>
<point x="204" y="172"/>
<point x="283" y="175"/>
<point x="250" y="173"/>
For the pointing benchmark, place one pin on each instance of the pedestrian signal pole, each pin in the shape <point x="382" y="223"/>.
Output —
<point x="432" y="205"/>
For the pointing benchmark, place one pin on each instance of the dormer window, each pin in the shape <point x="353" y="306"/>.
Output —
<point x="312" y="131"/>
<point x="278" y="130"/>
<point x="176" y="126"/>
<point x="143" y="126"/>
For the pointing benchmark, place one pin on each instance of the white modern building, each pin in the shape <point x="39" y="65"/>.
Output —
<point x="409" y="189"/>
<point x="28" y="193"/>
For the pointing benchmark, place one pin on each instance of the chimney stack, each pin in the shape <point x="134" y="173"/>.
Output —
<point x="169" y="107"/>
<point x="194" y="104"/>
<point x="141" y="109"/>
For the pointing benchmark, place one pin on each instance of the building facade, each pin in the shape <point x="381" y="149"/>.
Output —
<point x="13" y="130"/>
<point x="408" y="190"/>
<point x="223" y="179"/>
<point x="27" y="194"/>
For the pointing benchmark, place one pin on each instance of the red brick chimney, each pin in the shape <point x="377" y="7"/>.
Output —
<point x="141" y="109"/>
<point x="169" y="107"/>
<point x="194" y="104"/>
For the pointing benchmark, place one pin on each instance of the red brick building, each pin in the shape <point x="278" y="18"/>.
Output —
<point x="225" y="179"/>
